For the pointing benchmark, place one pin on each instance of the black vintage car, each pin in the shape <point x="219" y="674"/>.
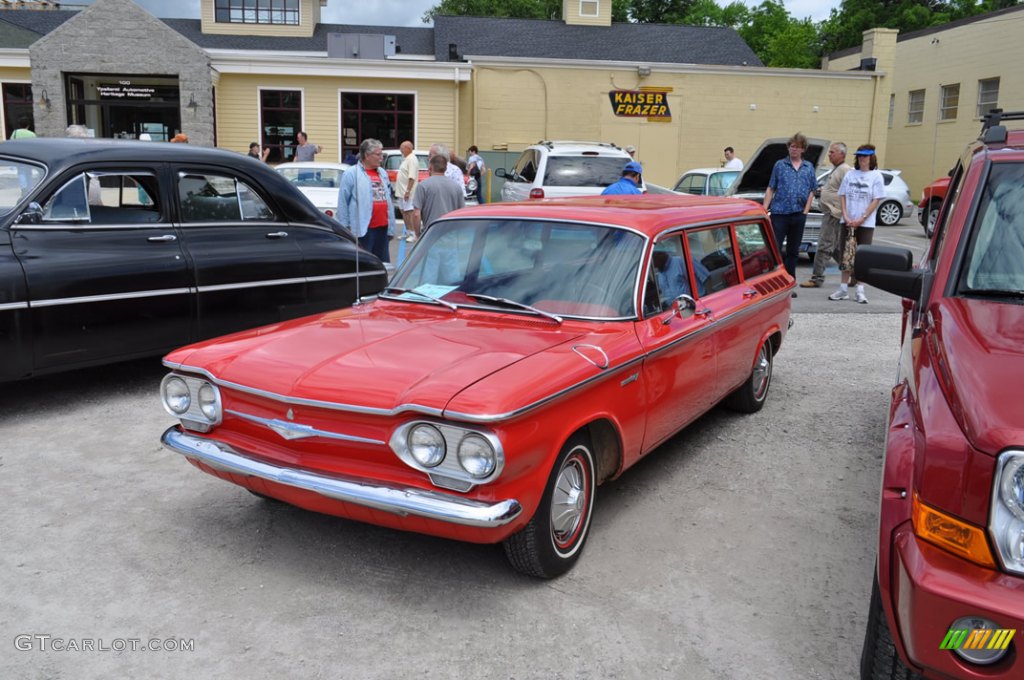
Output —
<point x="111" y="250"/>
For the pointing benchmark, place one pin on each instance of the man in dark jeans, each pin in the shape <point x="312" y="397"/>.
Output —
<point x="788" y="199"/>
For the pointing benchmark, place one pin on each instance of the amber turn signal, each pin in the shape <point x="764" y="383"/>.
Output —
<point x="949" y="533"/>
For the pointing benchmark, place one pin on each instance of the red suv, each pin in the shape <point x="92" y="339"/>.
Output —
<point x="948" y="597"/>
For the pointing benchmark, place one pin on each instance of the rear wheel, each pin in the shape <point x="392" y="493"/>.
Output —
<point x="889" y="213"/>
<point x="751" y="395"/>
<point x="879" y="659"/>
<point x="552" y="542"/>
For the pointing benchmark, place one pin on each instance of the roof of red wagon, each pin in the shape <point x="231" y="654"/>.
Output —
<point x="649" y="214"/>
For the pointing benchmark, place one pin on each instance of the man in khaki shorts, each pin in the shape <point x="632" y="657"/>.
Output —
<point x="829" y="239"/>
<point x="405" y="189"/>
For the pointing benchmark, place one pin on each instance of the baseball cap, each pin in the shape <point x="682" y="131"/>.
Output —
<point x="630" y="149"/>
<point x="633" y="166"/>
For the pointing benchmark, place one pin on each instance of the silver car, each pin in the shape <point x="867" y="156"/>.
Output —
<point x="896" y="204"/>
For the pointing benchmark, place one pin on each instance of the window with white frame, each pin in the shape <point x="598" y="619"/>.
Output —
<point x="915" y="107"/>
<point x="589" y="8"/>
<point x="949" y="102"/>
<point x="284" y="12"/>
<point x="988" y="95"/>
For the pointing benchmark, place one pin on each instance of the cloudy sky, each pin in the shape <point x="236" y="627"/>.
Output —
<point x="408" y="12"/>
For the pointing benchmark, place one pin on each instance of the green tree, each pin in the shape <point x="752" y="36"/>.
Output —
<point x="516" y="9"/>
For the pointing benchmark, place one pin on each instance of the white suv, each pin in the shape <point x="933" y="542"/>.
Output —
<point x="557" y="169"/>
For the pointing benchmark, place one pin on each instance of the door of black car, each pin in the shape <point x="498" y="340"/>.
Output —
<point x="104" y="268"/>
<point x="247" y="266"/>
<point x="330" y="268"/>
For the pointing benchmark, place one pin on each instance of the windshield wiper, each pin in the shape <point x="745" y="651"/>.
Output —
<point x="512" y="303"/>
<point x="400" y="291"/>
<point x="994" y="292"/>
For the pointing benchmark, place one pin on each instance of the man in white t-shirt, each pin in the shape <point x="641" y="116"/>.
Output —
<point x="731" y="162"/>
<point x="405" y="188"/>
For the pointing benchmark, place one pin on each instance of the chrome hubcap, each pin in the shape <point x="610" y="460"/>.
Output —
<point x="762" y="373"/>
<point x="890" y="214"/>
<point x="568" y="502"/>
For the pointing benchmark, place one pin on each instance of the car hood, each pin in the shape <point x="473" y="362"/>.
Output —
<point x="379" y="356"/>
<point x="978" y="343"/>
<point x="753" y="181"/>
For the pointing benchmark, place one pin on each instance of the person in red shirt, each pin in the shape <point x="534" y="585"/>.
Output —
<point x="364" y="201"/>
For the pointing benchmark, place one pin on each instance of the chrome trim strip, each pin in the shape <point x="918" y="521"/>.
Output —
<point x="334" y="406"/>
<point x="401" y="501"/>
<point x="70" y="225"/>
<point x="13" y="305"/>
<point x="250" y="284"/>
<point x="109" y="298"/>
<point x="332" y="277"/>
<point x="289" y="430"/>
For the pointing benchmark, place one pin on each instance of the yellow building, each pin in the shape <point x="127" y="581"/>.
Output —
<point x="241" y="74"/>
<point x="945" y="79"/>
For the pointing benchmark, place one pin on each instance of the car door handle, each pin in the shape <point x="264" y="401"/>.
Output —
<point x="166" y="238"/>
<point x="277" y="234"/>
<point x="704" y="313"/>
<point x="749" y="293"/>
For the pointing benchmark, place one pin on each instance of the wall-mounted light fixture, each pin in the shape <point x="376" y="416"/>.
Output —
<point x="753" y="107"/>
<point x="192" y="105"/>
<point x="44" y="101"/>
<point x="643" y="71"/>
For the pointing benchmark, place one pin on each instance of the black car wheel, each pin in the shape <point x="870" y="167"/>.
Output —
<point x="932" y="215"/>
<point x="879" y="659"/>
<point x="751" y="395"/>
<point x="889" y="213"/>
<point x="552" y="542"/>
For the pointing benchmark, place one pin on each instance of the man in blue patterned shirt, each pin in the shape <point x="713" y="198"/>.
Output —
<point x="788" y="199"/>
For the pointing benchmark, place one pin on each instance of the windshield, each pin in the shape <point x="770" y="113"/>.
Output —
<point x="995" y="259"/>
<point x="322" y="178"/>
<point x="583" y="171"/>
<point x="17" y="180"/>
<point x="573" y="270"/>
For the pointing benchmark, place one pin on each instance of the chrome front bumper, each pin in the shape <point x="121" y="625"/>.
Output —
<point x="434" y="505"/>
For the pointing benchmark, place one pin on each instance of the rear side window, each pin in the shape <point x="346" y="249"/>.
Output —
<point x="758" y="257"/>
<point x="691" y="184"/>
<point x="218" y="198"/>
<point x="526" y="167"/>
<point x="995" y="256"/>
<point x="583" y="171"/>
<point x="712" y="259"/>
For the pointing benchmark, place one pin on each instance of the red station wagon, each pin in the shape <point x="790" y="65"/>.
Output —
<point x="524" y="354"/>
<point x="948" y="599"/>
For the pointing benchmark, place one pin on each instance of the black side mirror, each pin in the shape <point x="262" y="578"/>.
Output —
<point x="501" y="172"/>
<point x="33" y="214"/>
<point x="890" y="269"/>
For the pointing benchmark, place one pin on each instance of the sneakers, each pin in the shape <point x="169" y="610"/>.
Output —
<point x="811" y="284"/>
<point x="841" y="295"/>
<point x="861" y="297"/>
<point x="410" y="237"/>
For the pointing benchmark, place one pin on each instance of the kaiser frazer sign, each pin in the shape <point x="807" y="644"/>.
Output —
<point x="651" y="104"/>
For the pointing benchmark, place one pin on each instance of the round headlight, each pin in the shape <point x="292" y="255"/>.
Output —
<point x="209" y="403"/>
<point x="1013" y="486"/>
<point x="176" y="395"/>
<point x="427" y="445"/>
<point x="476" y="456"/>
<point x="970" y="652"/>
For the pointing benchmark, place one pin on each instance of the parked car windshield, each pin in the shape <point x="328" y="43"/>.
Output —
<point x="583" y="171"/>
<point x="324" y="178"/>
<point x="16" y="180"/>
<point x="563" y="268"/>
<point x="995" y="260"/>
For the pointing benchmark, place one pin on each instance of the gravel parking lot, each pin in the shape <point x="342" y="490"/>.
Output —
<point x="742" y="548"/>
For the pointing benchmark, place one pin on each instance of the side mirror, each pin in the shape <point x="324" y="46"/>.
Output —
<point x="501" y="172"/>
<point x="890" y="269"/>
<point x="683" y="306"/>
<point x="33" y="214"/>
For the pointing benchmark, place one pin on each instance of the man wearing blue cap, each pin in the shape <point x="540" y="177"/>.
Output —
<point x="629" y="183"/>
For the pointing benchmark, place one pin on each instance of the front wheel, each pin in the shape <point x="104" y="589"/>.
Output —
<point x="932" y="216"/>
<point x="751" y="395"/>
<point x="552" y="542"/>
<point x="879" y="659"/>
<point x="889" y="213"/>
